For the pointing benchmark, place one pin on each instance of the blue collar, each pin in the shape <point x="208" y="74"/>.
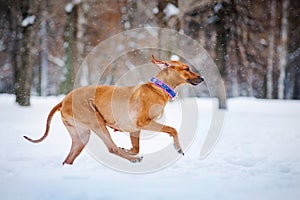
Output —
<point x="163" y="86"/>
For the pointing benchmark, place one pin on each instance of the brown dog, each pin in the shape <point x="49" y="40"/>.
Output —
<point x="128" y="109"/>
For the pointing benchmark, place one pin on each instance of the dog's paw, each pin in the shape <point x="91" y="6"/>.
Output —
<point x="137" y="159"/>
<point x="179" y="150"/>
<point x="123" y="149"/>
<point x="131" y="151"/>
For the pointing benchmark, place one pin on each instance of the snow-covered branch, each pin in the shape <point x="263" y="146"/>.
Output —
<point x="29" y="20"/>
<point x="69" y="7"/>
<point x="292" y="56"/>
<point x="57" y="61"/>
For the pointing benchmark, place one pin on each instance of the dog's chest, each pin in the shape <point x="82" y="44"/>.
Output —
<point x="114" y="126"/>
<point x="123" y="126"/>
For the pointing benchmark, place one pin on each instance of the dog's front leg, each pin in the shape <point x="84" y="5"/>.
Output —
<point x="135" y="141"/>
<point x="101" y="130"/>
<point x="154" y="126"/>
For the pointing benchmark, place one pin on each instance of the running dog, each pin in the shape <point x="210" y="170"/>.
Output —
<point x="127" y="109"/>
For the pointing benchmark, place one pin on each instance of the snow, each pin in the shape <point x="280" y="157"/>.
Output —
<point x="171" y="10"/>
<point x="58" y="61"/>
<point x="218" y="7"/>
<point x="257" y="157"/>
<point x="127" y="25"/>
<point x="69" y="7"/>
<point x="155" y="10"/>
<point x="29" y="20"/>
<point x="174" y="57"/>
<point x="294" y="54"/>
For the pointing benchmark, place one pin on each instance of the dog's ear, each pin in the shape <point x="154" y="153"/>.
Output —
<point x="159" y="63"/>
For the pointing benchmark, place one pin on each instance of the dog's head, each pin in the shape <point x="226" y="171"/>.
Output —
<point x="179" y="70"/>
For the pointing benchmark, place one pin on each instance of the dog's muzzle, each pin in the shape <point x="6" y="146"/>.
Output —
<point x="195" y="81"/>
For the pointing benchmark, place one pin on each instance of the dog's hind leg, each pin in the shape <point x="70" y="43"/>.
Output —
<point x="80" y="137"/>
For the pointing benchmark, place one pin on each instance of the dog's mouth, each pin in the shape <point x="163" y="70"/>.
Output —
<point x="195" y="81"/>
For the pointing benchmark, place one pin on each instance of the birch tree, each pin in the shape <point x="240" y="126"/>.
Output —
<point x="283" y="48"/>
<point x="44" y="49"/>
<point x="271" y="51"/>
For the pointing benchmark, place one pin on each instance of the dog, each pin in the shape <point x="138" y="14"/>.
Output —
<point x="126" y="109"/>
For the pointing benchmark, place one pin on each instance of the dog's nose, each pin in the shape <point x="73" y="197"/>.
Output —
<point x="201" y="79"/>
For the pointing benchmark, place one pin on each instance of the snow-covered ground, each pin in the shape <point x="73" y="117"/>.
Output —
<point x="257" y="157"/>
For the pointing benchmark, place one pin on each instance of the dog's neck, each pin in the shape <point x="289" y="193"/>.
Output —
<point x="164" y="75"/>
<point x="167" y="89"/>
<point x="168" y="77"/>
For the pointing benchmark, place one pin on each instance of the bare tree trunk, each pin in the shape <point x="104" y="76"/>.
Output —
<point x="221" y="43"/>
<point x="221" y="49"/>
<point x="162" y="24"/>
<point x="15" y="41"/>
<point x="283" y="48"/>
<point x="23" y="96"/>
<point x="234" y="71"/>
<point x="70" y="49"/>
<point x="81" y="41"/>
<point x="271" y="51"/>
<point x="23" y="72"/>
<point x="44" y="51"/>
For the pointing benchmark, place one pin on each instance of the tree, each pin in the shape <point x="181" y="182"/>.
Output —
<point x="292" y="87"/>
<point x="283" y="48"/>
<point x="70" y="47"/>
<point x="271" y="51"/>
<point x="43" y="72"/>
<point x="22" y="12"/>
<point x="254" y="43"/>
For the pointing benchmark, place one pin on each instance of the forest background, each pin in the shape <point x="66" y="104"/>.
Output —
<point x="255" y="43"/>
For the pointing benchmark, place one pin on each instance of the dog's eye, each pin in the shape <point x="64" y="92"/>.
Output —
<point x="187" y="69"/>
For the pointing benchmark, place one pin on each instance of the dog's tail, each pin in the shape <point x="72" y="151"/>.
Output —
<point x="56" y="108"/>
